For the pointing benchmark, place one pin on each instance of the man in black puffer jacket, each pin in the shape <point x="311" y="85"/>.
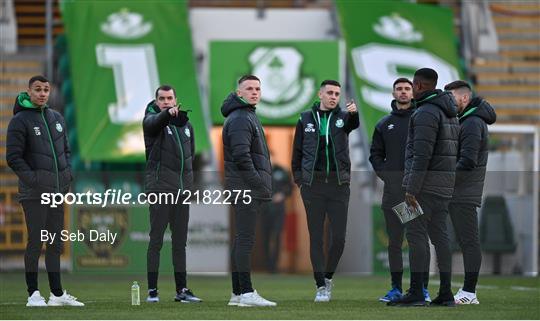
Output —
<point x="170" y="148"/>
<point x="430" y="162"/>
<point x="247" y="168"/>
<point x="322" y="168"/>
<point x="387" y="156"/>
<point x="474" y="116"/>
<point x="38" y="152"/>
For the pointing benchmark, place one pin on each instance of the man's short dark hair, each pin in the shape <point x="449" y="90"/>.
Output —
<point x="165" y="88"/>
<point x="247" y="77"/>
<point x="330" y="82"/>
<point x="37" y="78"/>
<point x="427" y="76"/>
<point x="457" y="85"/>
<point x="401" y="80"/>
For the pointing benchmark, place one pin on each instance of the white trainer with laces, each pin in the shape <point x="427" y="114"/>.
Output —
<point x="321" y="295"/>
<point x="329" y="284"/>
<point x="36" y="300"/>
<point x="235" y="300"/>
<point x="253" y="299"/>
<point x="464" y="297"/>
<point x="64" y="299"/>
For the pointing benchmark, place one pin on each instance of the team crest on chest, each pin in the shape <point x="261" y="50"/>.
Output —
<point x="187" y="132"/>
<point x="339" y="123"/>
<point x="59" y="127"/>
<point x="37" y="131"/>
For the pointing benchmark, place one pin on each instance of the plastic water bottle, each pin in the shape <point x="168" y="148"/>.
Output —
<point x="135" y="294"/>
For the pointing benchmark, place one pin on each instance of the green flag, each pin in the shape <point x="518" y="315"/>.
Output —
<point x="387" y="40"/>
<point x="290" y="74"/>
<point x="120" y="52"/>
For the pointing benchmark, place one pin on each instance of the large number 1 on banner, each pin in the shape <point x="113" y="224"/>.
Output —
<point x="135" y="78"/>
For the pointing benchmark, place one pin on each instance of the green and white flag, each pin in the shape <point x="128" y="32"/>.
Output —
<point x="391" y="39"/>
<point x="290" y="74"/>
<point x="120" y="52"/>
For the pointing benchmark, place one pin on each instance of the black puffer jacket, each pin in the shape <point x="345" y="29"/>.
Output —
<point x="170" y="148"/>
<point x="473" y="151"/>
<point x="432" y="146"/>
<point x="387" y="153"/>
<point x="246" y="156"/>
<point x="37" y="149"/>
<point x="314" y="156"/>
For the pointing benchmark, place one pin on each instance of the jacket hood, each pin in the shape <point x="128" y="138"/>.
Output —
<point x="317" y="107"/>
<point x="151" y="107"/>
<point x="481" y="108"/>
<point x="22" y="102"/>
<point x="401" y="112"/>
<point x="442" y="99"/>
<point x="232" y="103"/>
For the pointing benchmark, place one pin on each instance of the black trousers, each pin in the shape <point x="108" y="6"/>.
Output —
<point x="322" y="200"/>
<point x="272" y="218"/>
<point x="465" y="221"/>
<point x="245" y="221"/>
<point x="40" y="218"/>
<point x="177" y="217"/>
<point x="396" y="230"/>
<point x="431" y="225"/>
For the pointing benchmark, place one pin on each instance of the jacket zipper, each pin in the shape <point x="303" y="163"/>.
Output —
<point x="181" y="157"/>
<point x="52" y="148"/>
<point x="316" y="149"/>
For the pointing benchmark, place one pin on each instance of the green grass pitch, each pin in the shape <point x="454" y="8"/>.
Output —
<point x="108" y="297"/>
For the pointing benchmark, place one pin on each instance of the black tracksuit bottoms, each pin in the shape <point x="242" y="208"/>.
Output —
<point x="430" y="226"/>
<point x="321" y="200"/>
<point x="245" y="222"/>
<point x="465" y="221"/>
<point x="177" y="217"/>
<point x="396" y="230"/>
<point x="40" y="218"/>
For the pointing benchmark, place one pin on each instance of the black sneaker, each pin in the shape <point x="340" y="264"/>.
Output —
<point x="186" y="296"/>
<point x="443" y="300"/>
<point x="410" y="299"/>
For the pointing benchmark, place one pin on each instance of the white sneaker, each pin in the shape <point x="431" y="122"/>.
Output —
<point x="235" y="300"/>
<point x="328" y="284"/>
<point x="64" y="299"/>
<point x="253" y="299"/>
<point x="36" y="300"/>
<point x="321" y="295"/>
<point x="464" y="297"/>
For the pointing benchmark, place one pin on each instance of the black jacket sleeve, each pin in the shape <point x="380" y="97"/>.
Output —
<point x="192" y="138"/>
<point x="470" y="140"/>
<point x="15" y="148"/>
<point x="296" y="162"/>
<point x="240" y="137"/>
<point x="426" y="127"/>
<point x="154" y="123"/>
<point x="377" y="152"/>
<point x="67" y="149"/>
<point x="352" y="121"/>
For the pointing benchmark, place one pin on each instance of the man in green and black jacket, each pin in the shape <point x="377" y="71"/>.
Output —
<point x="474" y="116"/>
<point x="37" y="151"/>
<point x="170" y="148"/>
<point x="322" y="169"/>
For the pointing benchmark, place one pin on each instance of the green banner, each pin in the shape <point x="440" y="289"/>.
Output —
<point x="120" y="52"/>
<point x="290" y="73"/>
<point x="391" y="39"/>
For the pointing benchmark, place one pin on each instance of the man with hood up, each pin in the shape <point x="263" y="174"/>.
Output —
<point x="387" y="156"/>
<point x="247" y="168"/>
<point x="170" y="147"/>
<point x="37" y="151"/>
<point x="322" y="169"/>
<point x="474" y="116"/>
<point x="430" y="165"/>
